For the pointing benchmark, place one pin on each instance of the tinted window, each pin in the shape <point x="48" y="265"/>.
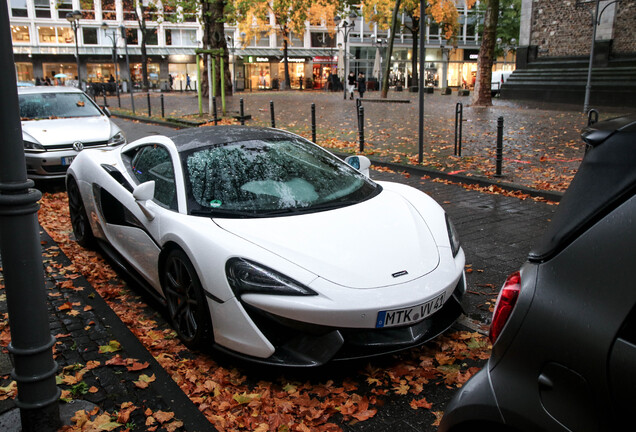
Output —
<point x="154" y="163"/>
<point x="265" y="177"/>
<point x="56" y="105"/>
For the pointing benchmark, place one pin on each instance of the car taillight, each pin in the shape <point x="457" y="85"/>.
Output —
<point x="505" y="304"/>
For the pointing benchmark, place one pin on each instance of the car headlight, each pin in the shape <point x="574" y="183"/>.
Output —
<point x="117" y="139"/>
<point x="31" y="146"/>
<point x="248" y="277"/>
<point x="452" y="236"/>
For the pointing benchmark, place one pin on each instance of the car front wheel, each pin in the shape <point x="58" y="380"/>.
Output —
<point x="79" y="219"/>
<point x="186" y="302"/>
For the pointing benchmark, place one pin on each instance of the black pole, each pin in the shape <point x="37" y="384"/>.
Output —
<point x="361" y="127"/>
<point x="130" y="78"/>
<point x="592" y="117"/>
<point x="271" y="113"/>
<point x="104" y="94"/>
<point x="500" y="122"/>
<point x="149" y="107"/>
<point x="313" y="122"/>
<point x="242" y="111"/>
<point x="420" y="128"/>
<point x="163" y="110"/>
<point x="31" y="340"/>
<point x="216" y="119"/>
<point x="459" y="118"/>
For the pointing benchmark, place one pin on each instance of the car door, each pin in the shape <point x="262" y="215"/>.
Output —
<point x="134" y="226"/>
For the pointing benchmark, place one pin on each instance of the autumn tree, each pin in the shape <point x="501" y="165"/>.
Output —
<point x="482" y="95"/>
<point x="443" y="12"/>
<point x="288" y="16"/>
<point x="142" y="12"/>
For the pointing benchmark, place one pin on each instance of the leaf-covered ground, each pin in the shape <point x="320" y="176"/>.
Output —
<point x="234" y="396"/>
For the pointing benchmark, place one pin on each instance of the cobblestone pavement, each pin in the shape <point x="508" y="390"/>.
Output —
<point x="541" y="143"/>
<point x="496" y="232"/>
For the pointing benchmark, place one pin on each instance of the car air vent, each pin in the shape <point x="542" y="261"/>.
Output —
<point x="117" y="175"/>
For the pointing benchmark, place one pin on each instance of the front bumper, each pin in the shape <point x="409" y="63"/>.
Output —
<point x="300" y="344"/>
<point x="48" y="164"/>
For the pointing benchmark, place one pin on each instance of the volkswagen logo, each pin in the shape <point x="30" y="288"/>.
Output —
<point x="78" y="146"/>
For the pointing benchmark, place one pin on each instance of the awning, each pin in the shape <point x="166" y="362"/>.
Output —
<point x="278" y="52"/>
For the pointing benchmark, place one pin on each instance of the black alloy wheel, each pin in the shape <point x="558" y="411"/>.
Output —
<point x="79" y="219"/>
<point x="187" y="305"/>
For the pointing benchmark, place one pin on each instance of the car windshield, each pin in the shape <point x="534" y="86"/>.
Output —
<point x="56" y="105"/>
<point x="270" y="177"/>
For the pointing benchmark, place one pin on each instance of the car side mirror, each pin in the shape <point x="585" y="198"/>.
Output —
<point x="106" y="111"/>
<point x="361" y="163"/>
<point x="142" y="194"/>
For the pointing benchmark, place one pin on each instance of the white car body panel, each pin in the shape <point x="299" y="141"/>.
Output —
<point x="57" y="131"/>
<point x="353" y="257"/>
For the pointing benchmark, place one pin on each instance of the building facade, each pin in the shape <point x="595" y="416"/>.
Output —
<point x="45" y="48"/>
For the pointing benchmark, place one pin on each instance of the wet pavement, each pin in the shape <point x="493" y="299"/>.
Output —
<point x="496" y="231"/>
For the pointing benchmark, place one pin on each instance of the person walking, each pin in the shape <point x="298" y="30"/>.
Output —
<point x="362" y="84"/>
<point x="351" y="84"/>
<point x="188" y="82"/>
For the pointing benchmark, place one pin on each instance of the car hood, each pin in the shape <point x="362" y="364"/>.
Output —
<point x="63" y="131"/>
<point x="379" y="242"/>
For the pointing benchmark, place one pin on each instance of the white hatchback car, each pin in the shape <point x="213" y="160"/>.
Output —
<point x="57" y="123"/>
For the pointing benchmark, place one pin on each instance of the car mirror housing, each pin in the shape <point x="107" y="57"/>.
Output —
<point x="143" y="193"/>
<point x="361" y="163"/>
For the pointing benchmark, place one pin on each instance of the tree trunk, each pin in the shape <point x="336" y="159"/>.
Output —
<point x="287" y="78"/>
<point x="415" y="31"/>
<point x="389" y="53"/>
<point x="214" y="38"/>
<point x="144" y="52"/>
<point x="481" y="94"/>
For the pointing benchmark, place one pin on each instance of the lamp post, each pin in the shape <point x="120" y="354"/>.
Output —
<point x="380" y="43"/>
<point x="230" y="41"/>
<point x="113" y="37"/>
<point x="73" y="18"/>
<point x="506" y="47"/>
<point x="345" y="27"/>
<point x="123" y="35"/>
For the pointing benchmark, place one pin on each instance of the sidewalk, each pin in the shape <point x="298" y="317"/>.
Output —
<point x="542" y="148"/>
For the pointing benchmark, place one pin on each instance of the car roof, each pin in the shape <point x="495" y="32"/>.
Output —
<point x="48" y="89"/>
<point x="190" y="139"/>
<point x="606" y="178"/>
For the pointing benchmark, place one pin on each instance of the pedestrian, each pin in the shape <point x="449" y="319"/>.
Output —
<point x="351" y="84"/>
<point x="37" y="81"/>
<point x="171" y="80"/>
<point x="362" y="84"/>
<point x="188" y="82"/>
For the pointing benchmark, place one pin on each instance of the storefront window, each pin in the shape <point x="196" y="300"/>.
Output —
<point x="64" y="7"/>
<point x="153" y="73"/>
<point x="42" y="8"/>
<point x="296" y="71"/>
<point x="180" y="72"/>
<point x="88" y="9"/>
<point x="59" y="73"/>
<point x="24" y="72"/>
<point x="57" y="35"/>
<point x="19" y="8"/>
<point x="20" y="34"/>
<point x="108" y="10"/>
<point x="177" y="37"/>
<point x="99" y="72"/>
<point x="89" y="35"/>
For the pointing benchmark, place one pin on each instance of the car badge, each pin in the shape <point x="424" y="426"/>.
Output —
<point x="78" y="146"/>
<point x="400" y="273"/>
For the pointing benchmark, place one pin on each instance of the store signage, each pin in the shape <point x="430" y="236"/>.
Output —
<point x="325" y="59"/>
<point x="262" y="60"/>
<point x="293" y="60"/>
<point x="471" y="54"/>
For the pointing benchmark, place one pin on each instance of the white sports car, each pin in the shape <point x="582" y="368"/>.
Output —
<point x="269" y="247"/>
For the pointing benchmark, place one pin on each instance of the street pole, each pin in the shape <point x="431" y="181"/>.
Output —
<point x="347" y="26"/>
<point x="31" y="340"/>
<point x="420" y="130"/>
<point x="73" y="18"/>
<point x="113" y="38"/>
<point x="132" y="98"/>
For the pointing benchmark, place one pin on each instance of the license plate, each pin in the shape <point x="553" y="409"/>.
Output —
<point x="409" y="315"/>
<point x="67" y="160"/>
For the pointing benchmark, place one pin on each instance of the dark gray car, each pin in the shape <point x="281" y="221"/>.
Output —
<point x="564" y="327"/>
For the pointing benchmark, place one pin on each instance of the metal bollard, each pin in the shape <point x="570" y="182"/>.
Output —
<point x="242" y="112"/>
<point x="216" y="119"/>
<point x="163" y="110"/>
<point x="500" y="122"/>
<point x="149" y="108"/>
<point x="592" y="117"/>
<point x="105" y="101"/>
<point x="181" y="86"/>
<point x="361" y="127"/>
<point x="271" y="113"/>
<point x="313" y="122"/>
<point x="459" y="118"/>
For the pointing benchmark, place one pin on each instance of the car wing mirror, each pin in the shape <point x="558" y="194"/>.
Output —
<point x="361" y="163"/>
<point x="142" y="194"/>
<point x="106" y="111"/>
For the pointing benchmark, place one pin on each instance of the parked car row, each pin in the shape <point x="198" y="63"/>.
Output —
<point x="235" y="230"/>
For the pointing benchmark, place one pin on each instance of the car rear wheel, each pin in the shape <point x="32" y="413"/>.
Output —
<point x="187" y="305"/>
<point x="79" y="219"/>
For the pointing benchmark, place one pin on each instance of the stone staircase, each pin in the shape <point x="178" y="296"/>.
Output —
<point x="563" y="80"/>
